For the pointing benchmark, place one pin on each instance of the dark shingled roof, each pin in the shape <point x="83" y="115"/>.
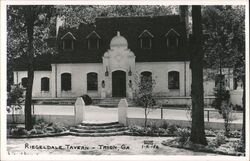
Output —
<point x="106" y="27"/>
<point x="130" y="28"/>
<point x="41" y="63"/>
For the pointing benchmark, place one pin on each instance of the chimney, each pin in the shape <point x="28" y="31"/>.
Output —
<point x="183" y="13"/>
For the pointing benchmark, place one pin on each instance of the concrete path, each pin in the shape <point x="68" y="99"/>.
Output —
<point x="101" y="114"/>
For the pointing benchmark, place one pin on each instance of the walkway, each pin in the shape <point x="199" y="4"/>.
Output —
<point x="96" y="114"/>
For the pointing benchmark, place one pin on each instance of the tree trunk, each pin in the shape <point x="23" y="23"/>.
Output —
<point x="197" y="130"/>
<point x="30" y="54"/>
<point x="244" y="114"/>
<point x="146" y="118"/>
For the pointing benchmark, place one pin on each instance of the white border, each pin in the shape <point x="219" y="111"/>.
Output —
<point x="3" y="88"/>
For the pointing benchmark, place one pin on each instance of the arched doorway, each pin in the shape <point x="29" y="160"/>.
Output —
<point x="119" y="84"/>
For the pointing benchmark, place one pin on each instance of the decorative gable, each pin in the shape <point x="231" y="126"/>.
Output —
<point x="68" y="35"/>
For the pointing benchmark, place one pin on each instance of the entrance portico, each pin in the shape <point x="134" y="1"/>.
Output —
<point x="118" y="69"/>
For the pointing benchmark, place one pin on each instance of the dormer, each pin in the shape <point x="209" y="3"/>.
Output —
<point x="146" y="39"/>
<point x="172" y="37"/>
<point x="68" y="41"/>
<point x="93" y="40"/>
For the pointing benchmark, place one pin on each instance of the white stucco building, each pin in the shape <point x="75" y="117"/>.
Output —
<point x="104" y="60"/>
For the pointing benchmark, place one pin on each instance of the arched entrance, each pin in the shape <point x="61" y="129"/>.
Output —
<point x="119" y="84"/>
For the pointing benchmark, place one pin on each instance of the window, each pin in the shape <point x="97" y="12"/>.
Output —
<point x="219" y="78"/>
<point x="66" y="82"/>
<point x="45" y="84"/>
<point x="146" y="43"/>
<point x="25" y="82"/>
<point x="146" y="76"/>
<point x="93" y="40"/>
<point x="146" y="39"/>
<point x="172" y="39"/>
<point x="173" y="80"/>
<point x="68" y="41"/>
<point x="172" y="42"/>
<point x="92" y="82"/>
<point x="93" y="43"/>
<point x="68" y="44"/>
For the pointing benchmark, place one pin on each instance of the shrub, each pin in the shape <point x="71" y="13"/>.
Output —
<point x="165" y="125"/>
<point x="183" y="134"/>
<point x="87" y="99"/>
<point x="18" y="131"/>
<point x="220" y="138"/>
<point x="172" y="129"/>
<point x="32" y="131"/>
<point x="58" y="127"/>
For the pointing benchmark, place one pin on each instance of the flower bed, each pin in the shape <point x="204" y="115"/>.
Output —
<point x="40" y="129"/>
<point x="174" y="130"/>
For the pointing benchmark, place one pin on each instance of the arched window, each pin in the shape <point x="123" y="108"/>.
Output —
<point x="45" y="84"/>
<point x="146" y="79"/>
<point x="66" y="82"/>
<point x="92" y="82"/>
<point x="25" y="82"/>
<point x="173" y="80"/>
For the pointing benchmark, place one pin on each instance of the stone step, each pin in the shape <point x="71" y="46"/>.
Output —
<point x="99" y="130"/>
<point x="99" y="124"/>
<point x="99" y="127"/>
<point x="100" y="134"/>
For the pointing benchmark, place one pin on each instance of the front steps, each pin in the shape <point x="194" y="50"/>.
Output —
<point x="99" y="129"/>
<point x="113" y="102"/>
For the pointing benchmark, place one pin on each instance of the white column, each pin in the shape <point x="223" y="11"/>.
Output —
<point x="122" y="112"/>
<point x="79" y="110"/>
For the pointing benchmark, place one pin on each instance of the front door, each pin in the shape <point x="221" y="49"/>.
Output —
<point x="119" y="84"/>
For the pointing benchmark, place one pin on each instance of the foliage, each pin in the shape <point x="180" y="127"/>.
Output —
<point x="226" y="110"/>
<point x="183" y="134"/>
<point x="220" y="138"/>
<point x="144" y="94"/>
<point x="221" y="95"/>
<point x="74" y="15"/>
<point x="87" y="99"/>
<point x="28" y="28"/>
<point x="15" y="99"/>
<point x="18" y="131"/>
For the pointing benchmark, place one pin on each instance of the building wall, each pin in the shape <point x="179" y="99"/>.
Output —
<point x="78" y="79"/>
<point x="160" y="71"/>
<point x="18" y="75"/>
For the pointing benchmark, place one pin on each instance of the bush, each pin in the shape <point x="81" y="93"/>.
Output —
<point x="165" y="125"/>
<point x="183" y="134"/>
<point x="87" y="99"/>
<point x="220" y="138"/>
<point x="18" y="131"/>
<point x="58" y="127"/>
<point x="172" y="129"/>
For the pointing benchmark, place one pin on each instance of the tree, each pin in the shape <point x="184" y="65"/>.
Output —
<point x="225" y="44"/>
<point x="144" y="95"/>
<point x="196" y="64"/>
<point x="73" y="15"/>
<point x="15" y="99"/>
<point x="27" y="29"/>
